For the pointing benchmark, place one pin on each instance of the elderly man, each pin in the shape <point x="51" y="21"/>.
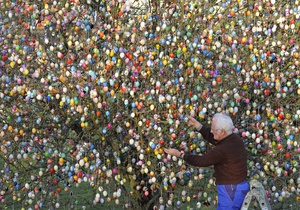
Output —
<point x="228" y="157"/>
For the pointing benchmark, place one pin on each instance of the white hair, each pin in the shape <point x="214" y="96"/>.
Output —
<point x="223" y="121"/>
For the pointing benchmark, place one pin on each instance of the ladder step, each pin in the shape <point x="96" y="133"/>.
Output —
<point x="258" y="192"/>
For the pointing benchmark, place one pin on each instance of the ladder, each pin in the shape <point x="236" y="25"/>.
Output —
<point x="258" y="192"/>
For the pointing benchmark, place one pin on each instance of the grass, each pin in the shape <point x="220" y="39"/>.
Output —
<point x="81" y="197"/>
<point x="77" y="196"/>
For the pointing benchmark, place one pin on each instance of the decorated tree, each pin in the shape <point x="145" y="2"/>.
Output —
<point x="91" y="93"/>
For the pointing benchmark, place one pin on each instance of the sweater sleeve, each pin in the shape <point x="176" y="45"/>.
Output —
<point x="207" y="135"/>
<point x="209" y="159"/>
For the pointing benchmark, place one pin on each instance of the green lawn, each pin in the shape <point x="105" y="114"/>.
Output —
<point x="82" y="198"/>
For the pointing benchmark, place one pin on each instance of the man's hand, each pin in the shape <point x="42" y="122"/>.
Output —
<point x="193" y="122"/>
<point x="173" y="152"/>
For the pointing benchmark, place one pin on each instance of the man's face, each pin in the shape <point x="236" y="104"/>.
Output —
<point x="218" y="133"/>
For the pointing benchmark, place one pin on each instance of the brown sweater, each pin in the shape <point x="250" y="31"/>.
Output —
<point x="228" y="157"/>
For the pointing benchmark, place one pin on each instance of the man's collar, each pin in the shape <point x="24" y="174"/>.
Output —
<point x="222" y="140"/>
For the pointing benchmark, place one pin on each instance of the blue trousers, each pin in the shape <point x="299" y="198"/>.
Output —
<point x="231" y="197"/>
